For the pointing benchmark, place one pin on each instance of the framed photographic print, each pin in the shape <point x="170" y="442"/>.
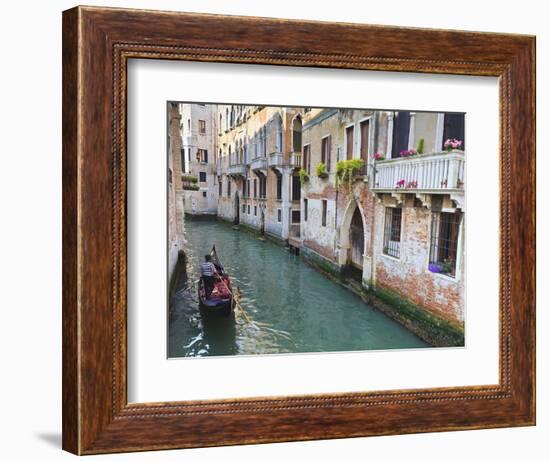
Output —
<point x="284" y="230"/>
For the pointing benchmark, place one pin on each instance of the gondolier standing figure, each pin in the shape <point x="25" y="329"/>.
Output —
<point x="208" y="270"/>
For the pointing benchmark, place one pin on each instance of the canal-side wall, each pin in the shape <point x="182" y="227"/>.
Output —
<point x="431" y="327"/>
<point x="176" y="220"/>
<point x="408" y="277"/>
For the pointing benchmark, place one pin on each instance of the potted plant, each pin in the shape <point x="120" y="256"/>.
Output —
<point x="377" y="156"/>
<point x="408" y="153"/>
<point x="435" y="268"/>
<point x="452" y="144"/>
<point x="420" y="146"/>
<point x="321" y="171"/>
<point x="304" y="177"/>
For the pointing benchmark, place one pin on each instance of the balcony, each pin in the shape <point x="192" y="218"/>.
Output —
<point x="296" y="160"/>
<point x="239" y="169"/>
<point x="259" y="164"/>
<point x="275" y="160"/>
<point x="427" y="173"/>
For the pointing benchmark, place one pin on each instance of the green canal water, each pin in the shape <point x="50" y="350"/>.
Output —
<point x="291" y="306"/>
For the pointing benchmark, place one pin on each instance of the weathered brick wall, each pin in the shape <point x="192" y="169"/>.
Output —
<point x="408" y="276"/>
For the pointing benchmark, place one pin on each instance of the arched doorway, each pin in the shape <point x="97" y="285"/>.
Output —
<point x="357" y="240"/>
<point x="237" y="213"/>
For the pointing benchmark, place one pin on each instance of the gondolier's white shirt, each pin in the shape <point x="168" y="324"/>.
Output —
<point x="207" y="269"/>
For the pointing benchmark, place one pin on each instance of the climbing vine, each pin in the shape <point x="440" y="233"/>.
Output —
<point x="346" y="170"/>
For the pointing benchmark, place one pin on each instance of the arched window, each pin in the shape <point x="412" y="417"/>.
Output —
<point x="229" y="155"/>
<point x="226" y="119"/>
<point x="220" y="129"/>
<point x="297" y="134"/>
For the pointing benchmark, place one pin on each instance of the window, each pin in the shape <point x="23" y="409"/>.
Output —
<point x="255" y="188"/>
<point x="295" y="216"/>
<point x="202" y="126"/>
<point x="202" y="155"/>
<point x="297" y="134"/>
<point x="188" y="124"/>
<point x="444" y="243"/>
<point x="325" y="152"/>
<point x="170" y="175"/>
<point x="248" y="187"/>
<point x="204" y="193"/>
<point x="305" y="209"/>
<point x="220" y="186"/>
<point x="244" y="208"/>
<point x="279" y="187"/>
<point x="220" y="130"/>
<point x="248" y="209"/>
<point x="296" y="188"/>
<point x="453" y="128"/>
<point x="202" y="176"/>
<point x="324" y="213"/>
<point x="244" y="188"/>
<point x="279" y="215"/>
<point x="307" y="159"/>
<point x="263" y="187"/>
<point x="255" y="210"/>
<point x="401" y="126"/>
<point x="365" y="140"/>
<point x="392" y="232"/>
<point x="229" y="187"/>
<point x="182" y="159"/>
<point x="349" y="142"/>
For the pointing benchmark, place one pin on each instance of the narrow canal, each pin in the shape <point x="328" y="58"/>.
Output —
<point x="291" y="307"/>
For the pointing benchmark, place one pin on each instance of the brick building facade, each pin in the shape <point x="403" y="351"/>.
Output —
<point x="372" y="196"/>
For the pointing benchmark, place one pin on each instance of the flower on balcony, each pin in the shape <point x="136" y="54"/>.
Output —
<point x="412" y="184"/>
<point x="399" y="184"/>
<point x="377" y="156"/>
<point x="451" y="144"/>
<point x="408" y="153"/>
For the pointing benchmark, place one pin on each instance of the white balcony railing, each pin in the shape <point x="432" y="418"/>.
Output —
<point x="439" y="173"/>
<point x="275" y="159"/>
<point x="296" y="159"/>
<point x="237" y="169"/>
<point x="259" y="163"/>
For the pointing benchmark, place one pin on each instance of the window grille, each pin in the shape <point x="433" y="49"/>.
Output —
<point x="444" y="243"/>
<point x="392" y="232"/>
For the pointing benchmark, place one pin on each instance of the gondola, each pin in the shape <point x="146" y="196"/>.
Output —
<point x="220" y="301"/>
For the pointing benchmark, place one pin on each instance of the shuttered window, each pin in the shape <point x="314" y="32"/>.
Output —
<point x="325" y="152"/>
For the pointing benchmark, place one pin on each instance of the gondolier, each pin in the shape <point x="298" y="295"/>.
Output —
<point x="208" y="272"/>
<point x="215" y="292"/>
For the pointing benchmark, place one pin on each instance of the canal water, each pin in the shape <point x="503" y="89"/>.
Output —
<point x="290" y="307"/>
